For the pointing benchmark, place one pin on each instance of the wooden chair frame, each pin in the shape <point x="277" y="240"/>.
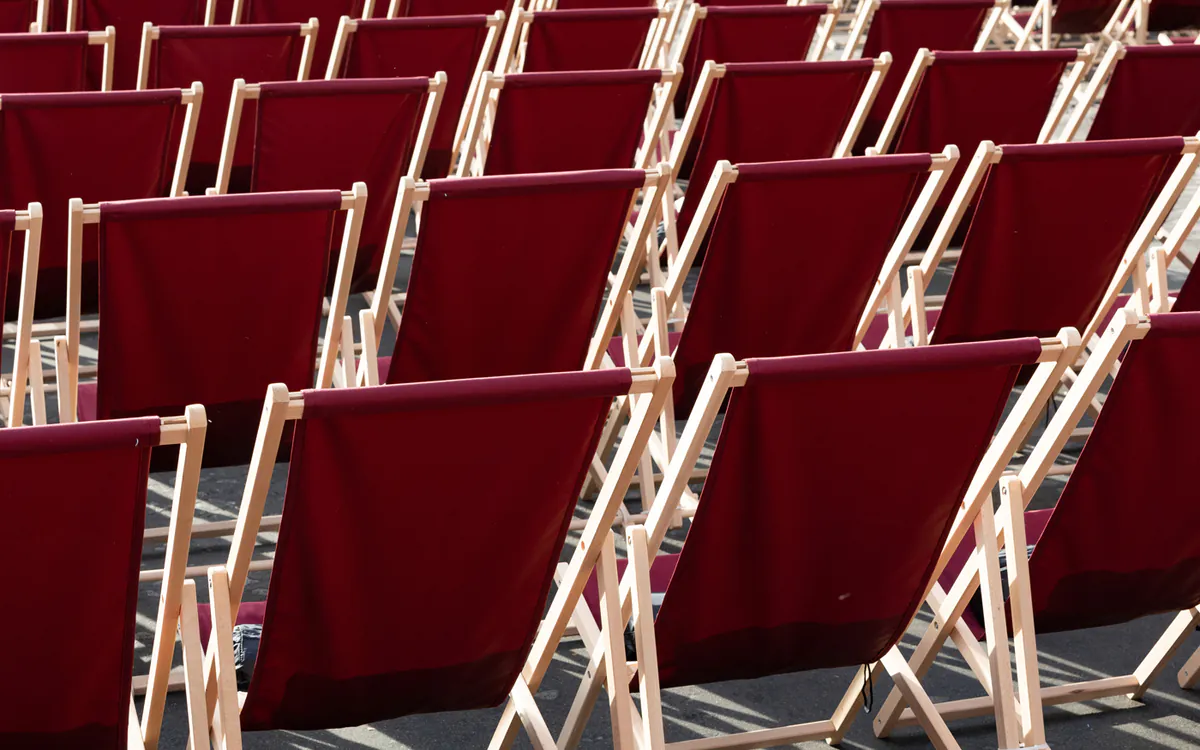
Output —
<point x="210" y="10"/>
<point x="108" y="38"/>
<point x="1133" y="263"/>
<point x="1128" y="13"/>
<point x="724" y="374"/>
<point x="43" y="18"/>
<point x="512" y="48"/>
<point x="495" y="25"/>
<point x="866" y="12"/>
<point x="27" y="354"/>
<point x="925" y="58"/>
<point x="150" y="34"/>
<point x="227" y="583"/>
<point x="384" y="305"/>
<point x="243" y="92"/>
<point x="483" y="114"/>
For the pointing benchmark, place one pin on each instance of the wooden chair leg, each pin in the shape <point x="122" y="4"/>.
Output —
<point x="935" y="728"/>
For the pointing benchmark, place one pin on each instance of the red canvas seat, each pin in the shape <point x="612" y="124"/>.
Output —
<point x="94" y="146"/>
<point x="901" y="28"/>
<point x="17" y="16"/>
<point x="327" y="13"/>
<point x="478" y="303"/>
<point x="1169" y="15"/>
<point x="578" y="4"/>
<point x="756" y="112"/>
<point x="586" y="39"/>
<point x="751" y="34"/>
<point x="84" y="487"/>
<point x="1144" y="97"/>
<point x="309" y="135"/>
<point x="255" y="268"/>
<point x="216" y="56"/>
<point x="365" y="497"/>
<point x="459" y="46"/>
<point x="43" y="63"/>
<point x="127" y="17"/>
<point x="428" y="8"/>
<point x="609" y="110"/>
<point x="1033" y="262"/>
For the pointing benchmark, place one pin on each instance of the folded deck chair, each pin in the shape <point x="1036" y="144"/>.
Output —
<point x="1044" y="25"/>
<point x="209" y="299"/>
<point x="1031" y="261"/>
<point x="508" y="274"/>
<point x="752" y="112"/>
<point x="20" y="252"/>
<point x="751" y="34"/>
<point x="311" y="134"/>
<point x="18" y="16"/>
<point x="459" y="46"/>
<point x="96" y="146"/>
<point x="327" y="13"/>
<point x="712" y="627"/>
<point x="798" y="283"/>
<point x="359" y="477"/>
<point x="1115" y="547"/>
<point x="904" y="27"/>
<point x="1143" y="95"/>
<point x="588" y="39"/>
<point x="965" y="98"/>
<point x="50" y="62"/>
<point x="216" y="56"/>
<point x="617" y="116"/>
<point x="127" y="17"/>
<point x="81" y="489"/>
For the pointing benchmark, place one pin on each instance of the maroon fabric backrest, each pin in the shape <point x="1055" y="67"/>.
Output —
<point x="785" y="221"/>
<point x="215" y="56"/>
<point x="902" y="27"/>
<point x="1147" y="95"/>
<point x="1168" y="15"/>
<point x="771" y="112"/>
<point x="8" y="225"/>
<point x="17" y="15"/>
<point x="584" y="4"/>
<point x="74" y="506"/>
<point x="1188" y="299"/>
<point x="787" y="494"/>
<point x="509" y="273"/>
<point x="406" y="47"/>
<point x="590" y="39"/>
<point x="1082" y="16"/>
<point x="968" y="97"/>
<point x="1119" y="544"/>
<point x="327" y="12"/>
<point x="316" y="135"/>
<point x="92" y="145"/>
<point x="608" y="109"/>
<point x="366" y="464"/>
<point x="427" y="8"/>
<point x="127" y="17"/>
<point x="1039" y="255"/>
<point x="209" y="300"/>
<point x="42" y="63"/>
<point x="748" y="34"/>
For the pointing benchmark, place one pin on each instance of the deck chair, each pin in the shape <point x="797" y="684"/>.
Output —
<point x="1044" y="25"/>
<point x="397" y="664"/>
<point x="127" y="18"/>
<point x="965" y="98"/>
<point x="327" y="12"/>
<point x="746" y="300"/>
<point x="589" y="39"/>
<point x="904" y="27"/>
<point x="460" y="46"/>
<point x="25" y="358"/>
<point x="1099" y="556"/>
<point x="186" y="285"/>
<point x="1143" y="95"/>
<point x="95" y="145"/>
<point x="1032" y="262"/>
<point x="84" y="487"/>
<point x="478" y="303"/>
<point x="216" y="56"/>
<point x="740" y="113"/>
<point x="794" y="621"/>
<point x="311" y="134"/>
<point x="617" y="117"/>
<point x="53" y="62"/>
<point x="429" y="8"/>
<point x="751" y="34"/>
<point x="19" y="16"/>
